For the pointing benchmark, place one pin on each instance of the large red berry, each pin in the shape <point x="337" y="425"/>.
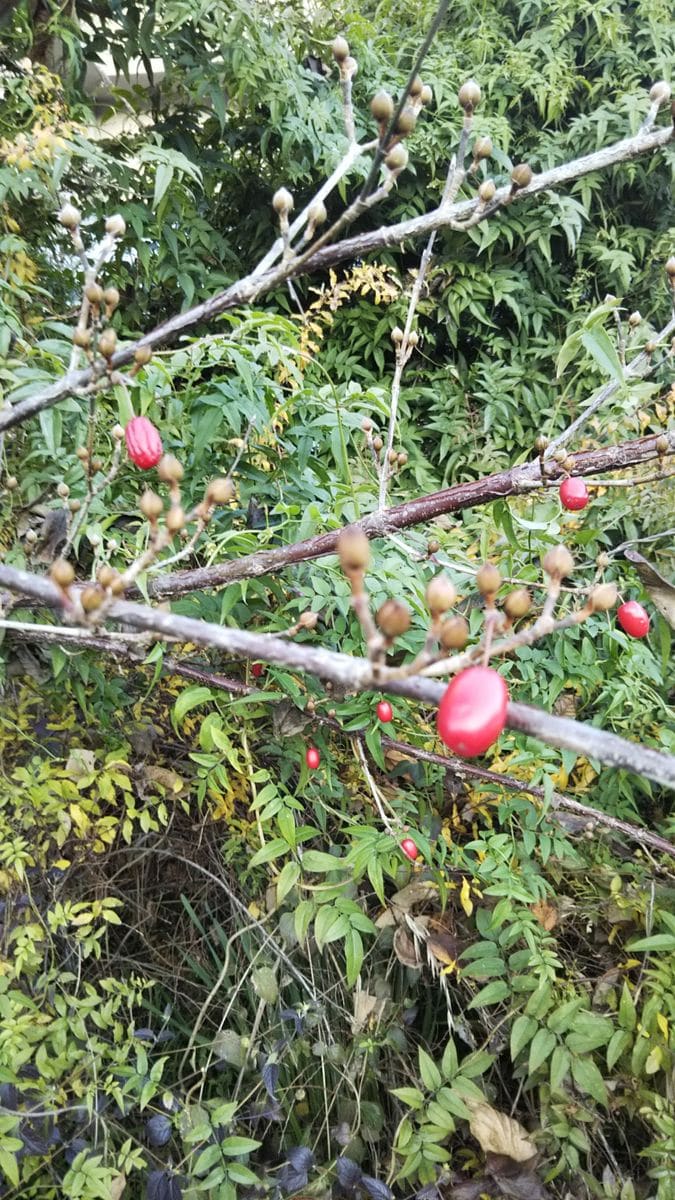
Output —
<point x="633" y="619"/>
<point x="574" y="493"/>
<point x="144" y="445"/>
<point x="257" y="670"/>
<point x="312" y="758"/>
<point x="472" y="713"/>
<point x="409" y="849"/>
<point x="384" y="711"/>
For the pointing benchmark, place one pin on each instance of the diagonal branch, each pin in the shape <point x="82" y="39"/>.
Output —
<point x="249" y="288"/>
<point x="514" y="481"/>
<point x="358" y="674"/>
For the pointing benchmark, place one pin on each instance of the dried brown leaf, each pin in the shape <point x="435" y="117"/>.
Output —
<point x="661" y="591"/>
<point x="545" y="913"/>
<point x="497" y="1133"/>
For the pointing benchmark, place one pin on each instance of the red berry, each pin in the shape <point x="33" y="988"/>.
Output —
<point x="472" y="712"/>
<point x="574" y="493"/>
<point x="144" y="445"/>
<point x="312" y="758"/>
<point x="633" y="619"/>
<point x="384" y="711"/>
<point x="409" y="849"/>
<point x="257" y="670"/>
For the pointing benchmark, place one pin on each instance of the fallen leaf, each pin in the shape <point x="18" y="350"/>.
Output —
<point x="80" y="763"/>
<point x="517" y="1181"/>
<point x="497" y="1133"/>
<point x="405" y="948"/>
<point x="117" y="1186"/>
<point x="365" y="1007"/>
<point x="403" y="902"/>
<point x="659" y="589"/>
<point x="545" y="913"/>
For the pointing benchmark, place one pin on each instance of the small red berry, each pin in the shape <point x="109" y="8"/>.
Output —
<point x="257" y="670"/>
<point x="312" y="758"/>
<point x="633" y="619"/>
<point x="144" y="445"/>
<point x="472" y="712"/>
<point x="384" y="711"/>
<point x="574" y="493"/>
<point x="409" y="849"/>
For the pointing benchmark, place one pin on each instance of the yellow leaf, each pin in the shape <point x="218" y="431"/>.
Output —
<point x="499" y="1134"/>
<point x="79" y="818"/>
<point x="662" y="1023"/>
<point x="465" y="897"/>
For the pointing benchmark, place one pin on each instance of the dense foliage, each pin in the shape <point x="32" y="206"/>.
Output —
<point x="219" y="975"/>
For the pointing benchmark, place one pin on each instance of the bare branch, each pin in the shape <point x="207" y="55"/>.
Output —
<point x="357" y="674"/>
<point x="254" y="285"/>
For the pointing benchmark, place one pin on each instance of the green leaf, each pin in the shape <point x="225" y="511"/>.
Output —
<point x="627" y="1010"/>
<point x="238" y="1145"/>
<point x="189" y="699"/>
<point x="588" y="1079"/>
<point x="450" y="1061"/>
<point x="657" y="941"/>
<point x="320" y="862"/>
<point x="287" y="880"/>
<point x="522" y="1032"/>
<point x="493" y="993"/>
<point x="476" y="1064"/>
<point x="431" y="1076"/>
<point x="353" y="955"/>
<point x="618" y="1044"/>
<point x="599" y="346"/>
<point x="590" y="1031"/>
<point x="560" y="1065"/>
<point x="329" y="925"/>
<point x="543" y="1044"/>
<point x="410" y="1096"/>
<point x="271" y="850"/>
<point x="304" y="915"/>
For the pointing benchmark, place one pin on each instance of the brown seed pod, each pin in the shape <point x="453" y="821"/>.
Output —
<point x="353" y="550"/>
<point x="486" y="191"/>
<point x="377" y="444"/>
<point x="426" y="95"/>
<point x="416" y="87"/>
<point x="518" y="603"/>
<point x="169" y="469"/>
<point x="433" y="546"/>
<point x="659" y="93"/>
<point x="402" y="458"/>
<point x="382" y="106"/>
<point x="670" y="267"/>
<point x="393" y="618"/>
<point x="397" y="335"/>
<point x="662" y="444"/>
<point x="63" y="490"/>
<point x="308" y="619"/>
<point x="282" y="201"/>
<point x="522" y="175"/>
<point x="82" y="338"/>
<point x="602" y="561"/>
<point x="454" y="633"/>
<point x="142" y="355"/>
<point x="111" y="298"/>
<point x="220" y="491"/>
<point x="558" y="562"/>
<point x="392" y="456"/>
<point x="61" y="573"/>
<point x="82" y="453"/>
<point x="74" y="506"/>
<point x="440" y="595"/>
<point x="105" y="575"/>
<point x="488" y="580"/>
<point x="603" y="597"/>
<point x="366" y="424"/>
<point x="469" y="95"/>
<point x="634" y="319"/>
<point x="317" y="213"/>
<point x="541" y="443"/>
<point x="413" y="338"/>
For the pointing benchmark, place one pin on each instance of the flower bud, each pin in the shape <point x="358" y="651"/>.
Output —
<point x="282" y="201"/>
<point x="340" y="49"/>
<point x="11" y="483"/>
<point x="407" y="120"/>
<point x="413" y="338"/>
<point x="482" y="148"/>
<point x="107" y="343"/>
<point x="74" y="506"/>
<point x="117" y="432"/>
<point x="105" y="575"/>
<point x="402" y="458"/>
<point x="670" y="267"/>
<point x="469" y="95"/>
<point x="426" y="95"/>
<point x="151" y="505"/>
<point x="31" y="537"/>
<point x="440" y="595"/>
<point x="662" y="444"/>
<point x="433" y="546"/>
<point x="142" y="355"/>
<point x="353" y="550"/>
<point x="488" y="580"/>
<point x="540" y="443"/>
<point x="486" y="191"/>
<point x="349" y="67"/>
<point x="517" y="603"/>
<point x="94" y="293"/>
<point x="316" y="213"/>
<point x="397" y="335"/>
<point x="393" y="618"/>
<point x="91" y="598"/>
<point x="169" y="469"/>
<point x="377" y="443"/>
<point x="308" y="620"/>
<point x="61" y="573"/>
<point x="558" y="562"/>
<point x="63" y="490"/>
<point x="82" y="338"/>
<point x="416" y="87"/>
<point x="366" y="424"/>
<point x="634" y="319"/>
<point x="82" y="453"/>
<point x="220" y="491"/>
<point x="382" y="106"/>
<point x="659" y="93"/>
<point x="175" y="518"/>
<point x="70" y="216"/>
<point x="111" y="298"/>
<point x="603" y="597"/>
<point x="454" y="633"/>
<point x="522" y="175"/>
<point x="116" y="225"/>
<point x="397" y="158"/>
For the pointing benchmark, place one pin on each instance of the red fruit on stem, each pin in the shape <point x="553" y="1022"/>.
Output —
<point x="472" y="712"/>
<point x="409" y="849"/>
<point x="384" y="711"/>
<point x="144" y="445"/>
<point x="312" y="758"/>
<point x="257" y="670"/>
<point x="574" y="493"/>
<point x="633" y="619"/>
